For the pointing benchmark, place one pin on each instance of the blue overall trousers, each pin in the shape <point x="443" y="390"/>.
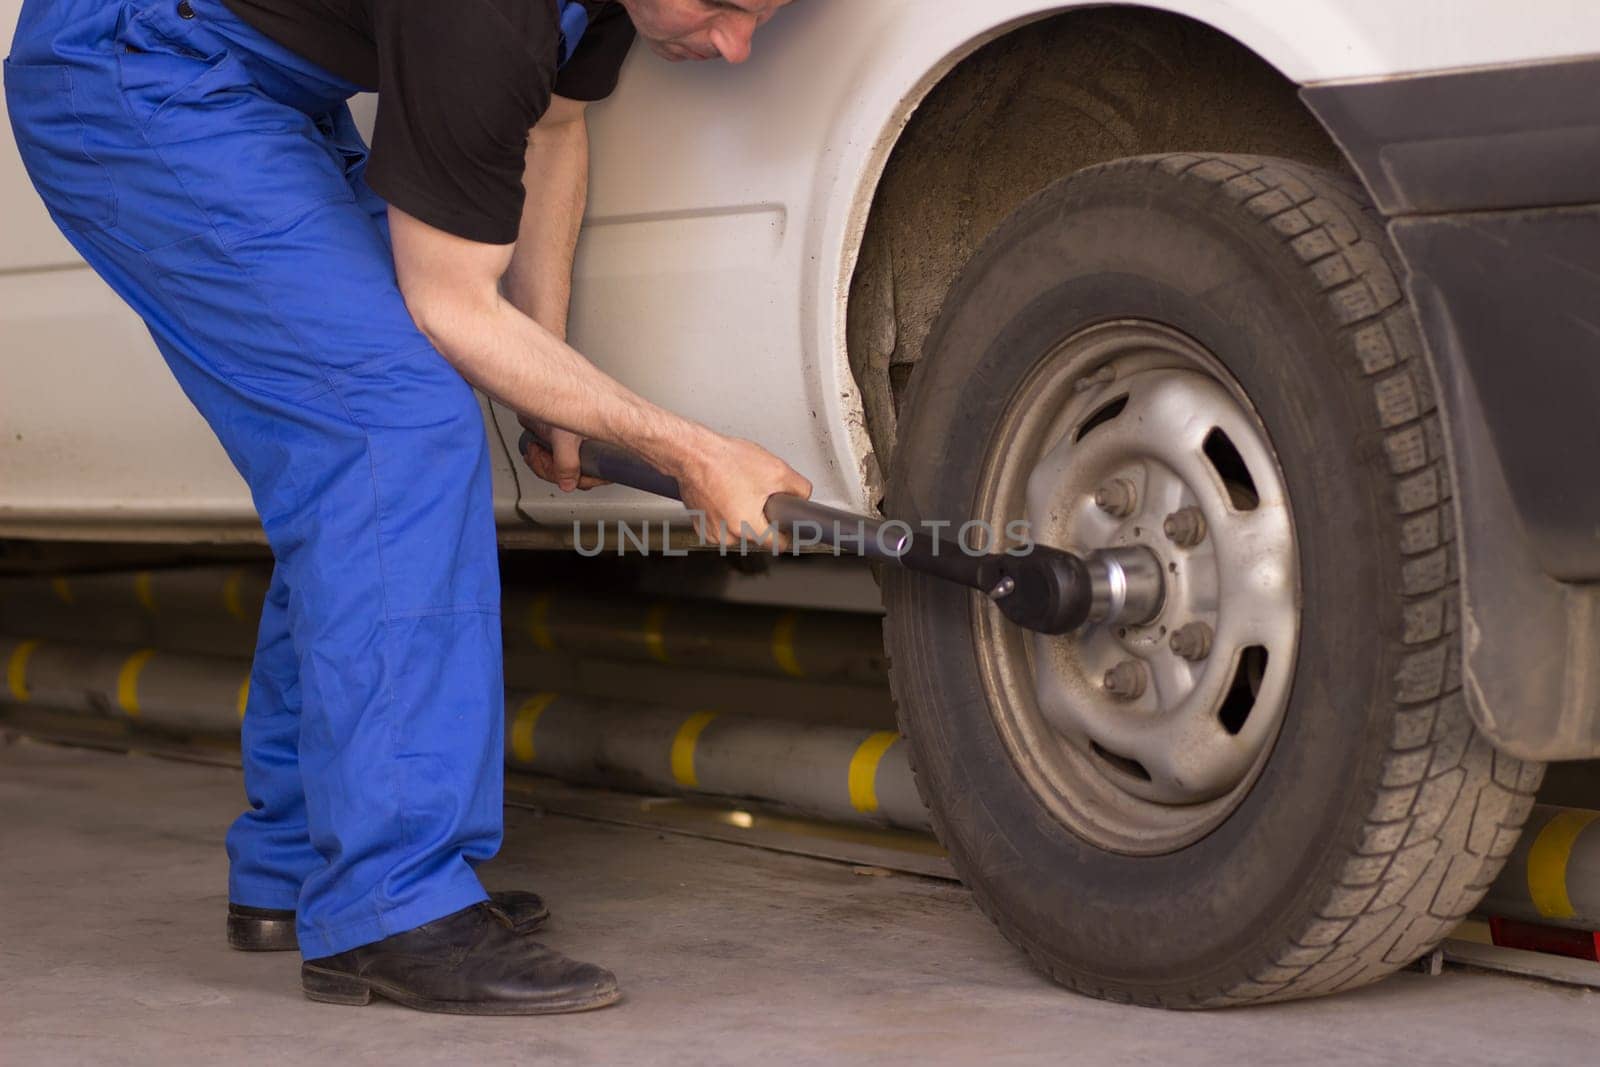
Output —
<point x="214" y="179"/>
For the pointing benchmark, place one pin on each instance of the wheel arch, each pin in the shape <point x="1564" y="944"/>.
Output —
<point x="997" y="121"/>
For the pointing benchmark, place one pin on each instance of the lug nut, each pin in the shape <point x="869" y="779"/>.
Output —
<point x="1116" y="498"/>
<point x="1192" y="642"/>
<point x="1126" y="680"/>
<point x="1185" y="527"/>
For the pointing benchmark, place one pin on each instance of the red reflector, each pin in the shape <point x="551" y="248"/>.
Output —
<point x="1534" y="937"/>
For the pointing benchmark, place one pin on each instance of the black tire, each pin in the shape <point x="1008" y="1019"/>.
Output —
<point x="1381" y="815"/>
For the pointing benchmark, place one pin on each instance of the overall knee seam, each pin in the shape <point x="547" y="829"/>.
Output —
<point x="456" y="609"/>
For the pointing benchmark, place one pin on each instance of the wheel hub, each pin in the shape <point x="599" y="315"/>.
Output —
<point x="1133" y="442"/>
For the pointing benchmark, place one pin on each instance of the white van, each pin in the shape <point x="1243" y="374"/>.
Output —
<point x="1318" y="277"/>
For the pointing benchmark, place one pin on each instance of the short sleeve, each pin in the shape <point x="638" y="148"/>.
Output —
<point x="592" y="72"/>
<point x="459" y="86"/>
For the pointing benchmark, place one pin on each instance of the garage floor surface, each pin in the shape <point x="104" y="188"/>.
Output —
<point x="112" y="894"/>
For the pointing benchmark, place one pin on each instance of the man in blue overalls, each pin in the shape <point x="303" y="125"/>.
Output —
<point x="325" y="311"/>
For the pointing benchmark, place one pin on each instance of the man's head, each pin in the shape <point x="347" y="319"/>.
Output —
<point x="700" y="29"/>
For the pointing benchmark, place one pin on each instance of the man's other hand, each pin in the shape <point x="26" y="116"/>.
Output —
<point x="557" y="464"/>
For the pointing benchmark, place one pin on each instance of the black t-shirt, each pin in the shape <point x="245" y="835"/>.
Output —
<point x="459" y="83"/>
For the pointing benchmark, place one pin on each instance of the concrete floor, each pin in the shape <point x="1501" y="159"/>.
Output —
<point x="111" y="906"/>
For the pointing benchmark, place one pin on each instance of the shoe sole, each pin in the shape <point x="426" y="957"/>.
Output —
<point x="332" y="987"/>
<point x="251" y="934"/>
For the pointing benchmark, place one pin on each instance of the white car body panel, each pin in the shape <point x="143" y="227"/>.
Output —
<point x="726" y="209"/>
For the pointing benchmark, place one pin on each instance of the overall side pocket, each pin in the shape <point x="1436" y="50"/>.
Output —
<point x="50" y="135"/>
<point x="162" y="66"/>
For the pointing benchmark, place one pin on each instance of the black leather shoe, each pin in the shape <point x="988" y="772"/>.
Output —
<point x="472" y="962"/>
<point x="272" y="930"/>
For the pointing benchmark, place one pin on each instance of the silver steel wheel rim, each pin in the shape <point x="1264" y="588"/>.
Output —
<point x="1145" y="405"/>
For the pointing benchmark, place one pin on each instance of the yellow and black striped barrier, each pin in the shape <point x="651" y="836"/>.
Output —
<point x="179" y="692"/>
<point x="849" y="774"/>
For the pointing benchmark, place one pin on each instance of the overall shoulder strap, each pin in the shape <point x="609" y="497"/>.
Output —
<point x="574" y="23"/>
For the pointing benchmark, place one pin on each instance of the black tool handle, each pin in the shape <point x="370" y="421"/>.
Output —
<point x="610" y="463"/>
